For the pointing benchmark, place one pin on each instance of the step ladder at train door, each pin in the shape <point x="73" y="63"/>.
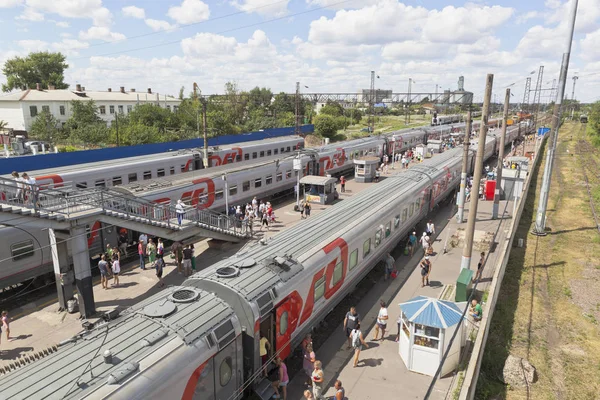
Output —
<point x="64" y="203"/>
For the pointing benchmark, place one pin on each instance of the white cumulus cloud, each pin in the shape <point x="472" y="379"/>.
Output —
<point x="189" y="12"/>
<point x="29" y="14"/>
<point x="134" y="12"/>
<point x="74" y="9"/>
<point x="10" y="3"/>
<point x="263" y="7"/>
<point x="100" y="33"/>
<point x="158" y="25"/>
<point x="70" y="46"/>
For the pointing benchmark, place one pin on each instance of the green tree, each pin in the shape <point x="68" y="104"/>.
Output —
<point x="325" y="125"/>
<point x="332" y="108"/>
<point x="260" y="98"/>
<point x="355" y="114"/>
<point x="45" y="127"/>
<point x="133" y="133"/>
<point x="284" y="103"/>
<point x="42" y="67"/>
<point x="91" y="134"/>
<point x="594" y="122"/>
<point x="286" y="119"/>
<point x="83" y="113"/>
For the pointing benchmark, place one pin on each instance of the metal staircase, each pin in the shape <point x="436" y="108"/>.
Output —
<point x="65" y="203"/>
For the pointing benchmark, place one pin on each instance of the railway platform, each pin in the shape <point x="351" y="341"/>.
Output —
<point x="38" y="326"/>
<point x="381" y="373"/>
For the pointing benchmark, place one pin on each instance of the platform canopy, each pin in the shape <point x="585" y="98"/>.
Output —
<point x="431" y="312"/>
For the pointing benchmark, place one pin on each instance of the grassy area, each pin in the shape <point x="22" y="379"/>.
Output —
<point x="385" y="124"/>
<point x="549" y="305"/>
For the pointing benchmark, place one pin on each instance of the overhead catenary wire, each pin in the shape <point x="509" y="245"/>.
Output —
<point x="173" y="42"/>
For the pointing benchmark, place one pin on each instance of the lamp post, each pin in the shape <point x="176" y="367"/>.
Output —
<point x="224" y="177"/>
<point x="298" y="169"/>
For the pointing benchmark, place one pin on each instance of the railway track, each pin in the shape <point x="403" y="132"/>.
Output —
<point x="586" y="154"/>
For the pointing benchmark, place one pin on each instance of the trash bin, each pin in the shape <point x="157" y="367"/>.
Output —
<point x="463" y="285"/>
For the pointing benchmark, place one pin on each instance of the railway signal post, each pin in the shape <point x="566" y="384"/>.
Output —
<point x="468" y="249"/>
<point x="463" y="174"/>
<point x="498" y="190"/>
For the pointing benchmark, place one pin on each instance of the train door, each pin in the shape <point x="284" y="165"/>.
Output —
<point x="198" y="162"/>
<point x="226" y="371"/>
<point x="267" y="325"/>
<point x="287" y="314"/>
<point x="312" y="167"/>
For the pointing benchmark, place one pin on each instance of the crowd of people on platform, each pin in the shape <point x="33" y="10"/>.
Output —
<point x="27" y="192"/>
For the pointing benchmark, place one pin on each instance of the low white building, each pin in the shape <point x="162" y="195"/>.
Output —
<point x="19" y="109"/>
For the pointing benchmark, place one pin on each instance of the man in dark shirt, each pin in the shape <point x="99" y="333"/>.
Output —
<point x="187" y="260"/>
<point x="351" y="321"/>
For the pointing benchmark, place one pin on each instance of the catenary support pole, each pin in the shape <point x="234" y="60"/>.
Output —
<point x="463" y="174"/>
<point x="540" y="220"/>
<point x="62" y="267"/>
<point x="205" y="129"/>
<point x="468" y="249"/>
<point x="498" y="191"/>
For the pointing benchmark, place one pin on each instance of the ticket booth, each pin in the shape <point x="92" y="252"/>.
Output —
<point x="427" y="324"/>
<point x="319" y="189"/>
<point x="365" y="168"/>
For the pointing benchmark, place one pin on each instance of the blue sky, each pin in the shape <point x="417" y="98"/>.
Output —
<point x="328" y="45"/>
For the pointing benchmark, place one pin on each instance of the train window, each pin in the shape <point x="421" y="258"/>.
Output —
<point x="225" y="371"/>
<point x="246" y="186"/>
<point x="276" y="151"/>
<point x="238" y="158"/>
<point x="388" y="229"/>
<point x="283" y="149"/>
<point x="182" y="167"/>
<point x="404" y="215"/>
<point x="283" y="323"/>
<point x="21" y="250"/>
<point x="366" y="247"/>
<point x="160" y="172"/>
<point x="100" y="183"/>
<point x="254" y="155"/>
<point x="132" y="177"/>
<point x="258" y="182"/>
<point x="396" y="221"/>
<point x="411" y="209"/>
<point x="203" y="198"/>
<point x="172" y="171"/>
<point x="269" y="179"/>
<point x="262" y="153"/>
<point x="117" y="180"/>
<point x="81" y="185"/>
<point x="288" y="174"/>
<point x="147" y="175"/>
<point x="268" y="152"/>
<point x="247" y="156"/>
<point x="287" y="149"/>
<point x="378" y="236"/>
<point x="233" y="190"/>
<point x="279" y="177"/>
<point x="418" y="204"/>
<point x="218" y="194"/>
<point x="337" y="273"/>
<point x="353" y="260"/>
<point x="319" y="288"/>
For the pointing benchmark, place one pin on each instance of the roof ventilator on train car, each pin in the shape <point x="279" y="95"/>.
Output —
<point x="248" y="262"/>
<point x="122" y="373"/>
<point x="286" y="267"/>
<point x="184" y="295"/>
<point x="159" y="309"/>
<point x="153" y="338"/>
<point x="228" y="272"/>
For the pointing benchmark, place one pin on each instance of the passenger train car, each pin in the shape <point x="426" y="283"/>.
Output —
<point x="112" y="172"/>
<point x="201" y="340"/>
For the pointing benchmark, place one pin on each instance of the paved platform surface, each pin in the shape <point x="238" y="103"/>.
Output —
<point x="37" y="326"/>
<point x="381" y="373"/>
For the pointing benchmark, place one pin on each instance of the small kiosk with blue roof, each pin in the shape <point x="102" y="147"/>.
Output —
<point x="427" y="324"/>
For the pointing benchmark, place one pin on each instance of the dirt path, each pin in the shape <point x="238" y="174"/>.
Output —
<point x="549" y="305"/>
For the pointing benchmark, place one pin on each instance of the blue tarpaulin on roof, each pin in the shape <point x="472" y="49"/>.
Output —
<point x="431" y="312"/>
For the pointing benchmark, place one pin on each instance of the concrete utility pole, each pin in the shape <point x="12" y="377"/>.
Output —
<point x="205" y="128"/>
<point x="573" y="96"/>
<point x="297" y="129"/>
<point x="372" y="104"/>
<point x="540" y="221"/>
<point x="465" y="166"/>
<point x="498" y="190"/>
<point x="468" y="249"/>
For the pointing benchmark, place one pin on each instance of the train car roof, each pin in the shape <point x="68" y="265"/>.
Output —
<point x="149" y="157"/>
<point x="132" y="337"/>
<point x="258" y="268"/>
<point x="144" y="187"/>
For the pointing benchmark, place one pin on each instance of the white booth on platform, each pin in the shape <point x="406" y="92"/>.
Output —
<point x="427" y="324"/>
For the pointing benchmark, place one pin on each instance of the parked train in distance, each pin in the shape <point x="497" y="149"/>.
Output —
<point x="26" y="254"/>
<point x="112" y="172"/>
<point x="200" y="340"/>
